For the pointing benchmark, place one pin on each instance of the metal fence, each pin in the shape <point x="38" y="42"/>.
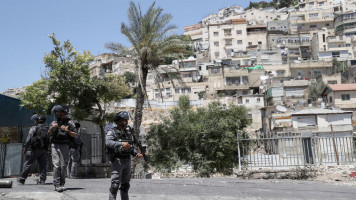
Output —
<point x="297" y="151"/>
<point x="10" y="159"/>
<point x="91" y="149"/>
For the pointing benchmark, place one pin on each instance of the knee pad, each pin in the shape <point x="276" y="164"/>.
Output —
<point x="114" y="187"/>
<point x="125" y="187"/>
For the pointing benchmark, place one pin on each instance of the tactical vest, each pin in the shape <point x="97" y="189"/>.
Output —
<point x="59" y="136"/>
<point x="122" y="136"/>
<point x="40" y="138"/>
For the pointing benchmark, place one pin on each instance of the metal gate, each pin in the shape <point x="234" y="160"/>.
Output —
<point x="11" y="159"/>
<point x="297" y="151"/>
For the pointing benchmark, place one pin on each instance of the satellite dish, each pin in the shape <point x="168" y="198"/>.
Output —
<point x="263" y="77"/>
<point x="261" y="87"/>
<point x="281" y="108"/>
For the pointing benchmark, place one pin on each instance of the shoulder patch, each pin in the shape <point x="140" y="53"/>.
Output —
<point x="110" y="133"/>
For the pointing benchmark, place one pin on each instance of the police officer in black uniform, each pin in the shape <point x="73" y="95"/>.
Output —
<point x="35" y="148"/>
<point x="120" y="149"/>
<point x="63" y="132"/>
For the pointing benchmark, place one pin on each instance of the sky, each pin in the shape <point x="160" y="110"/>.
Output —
<point x="87" y="24"/>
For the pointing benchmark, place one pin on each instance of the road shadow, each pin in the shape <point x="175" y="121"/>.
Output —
<point x="38" y="184"/>
<point x="69" y="189"/>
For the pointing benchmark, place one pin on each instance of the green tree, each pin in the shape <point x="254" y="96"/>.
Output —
<point x="67" y="81"/>
<point x="150" y="35"/>
<point x="339" y="66"/>
<point x="315" y="90"/>
<point x="201" y="94"/>
<point x="205" y="138"/>
<point x="130" y="77"/>
<point x="184" y="102"/>
<point x="36" y="97"/>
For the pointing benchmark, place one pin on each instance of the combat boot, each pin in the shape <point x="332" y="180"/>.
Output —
<point x="41" y="182"/>
<point x="21" y="181"/>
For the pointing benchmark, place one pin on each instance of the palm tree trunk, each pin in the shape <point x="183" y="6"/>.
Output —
<point x="140" y="100"/>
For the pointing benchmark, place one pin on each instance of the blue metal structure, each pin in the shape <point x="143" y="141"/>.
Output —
<point x="13" y="114"/>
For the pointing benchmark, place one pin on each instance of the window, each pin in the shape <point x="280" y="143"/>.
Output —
<point x="336" y="54"/>
<point x="327" y="24"/>
<point x="345" y="97"/>
<point x="330" y="99"/>
<point x="313" y="26"/>
<point x="216" y="33"/>
<point x="216" y="44"/>
<point x="249" y="116"/>
<point x="247" y="101"/>
<point x="258" y="100"/>
<point x="177" y="90"/>
<point x="259" y="43"/>
<point x="321" y="3"/>
<point x="317" y="71"/>
<point x="239" y="41"/>
<point x="314" y="15"/>
<point x="168" y="89"/>
<point x="216" y="53"/>
<point x="239" y="32"/>
<point x="215" y="71"/>
<point x="249" y="43"/>
<point x="157" y="95"/>
<point x="228" y="42"/>
<point x="281" y="72"/>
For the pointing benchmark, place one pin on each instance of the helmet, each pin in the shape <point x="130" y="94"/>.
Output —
<point x="38" y="117"/>
<point x="122" y="115"/>
<point x="58" y="108"/>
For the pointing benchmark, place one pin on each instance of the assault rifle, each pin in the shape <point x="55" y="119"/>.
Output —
<point x="136" y="142"/>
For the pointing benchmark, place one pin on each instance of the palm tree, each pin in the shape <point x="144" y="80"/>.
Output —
<point x="152" y="40"/>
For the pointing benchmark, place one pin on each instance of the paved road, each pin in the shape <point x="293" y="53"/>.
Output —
<point x="184" y="189"/>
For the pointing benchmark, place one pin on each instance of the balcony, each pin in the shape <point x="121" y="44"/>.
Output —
<point x="236" y="86"/>
<point x="335" y="39"/>
<point x="188" y="69"/>
<point x="305" y="43"/>
<point x="311" y="64"/>
<point x="341" y="20"/>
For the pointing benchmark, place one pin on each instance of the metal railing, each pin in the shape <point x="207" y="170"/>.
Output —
<point x="297" y="151"/>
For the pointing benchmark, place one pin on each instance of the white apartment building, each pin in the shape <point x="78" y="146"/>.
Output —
<point x="320" y="4"/>
<point x="110" y="63"/>
<point x="227" y="38"/>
